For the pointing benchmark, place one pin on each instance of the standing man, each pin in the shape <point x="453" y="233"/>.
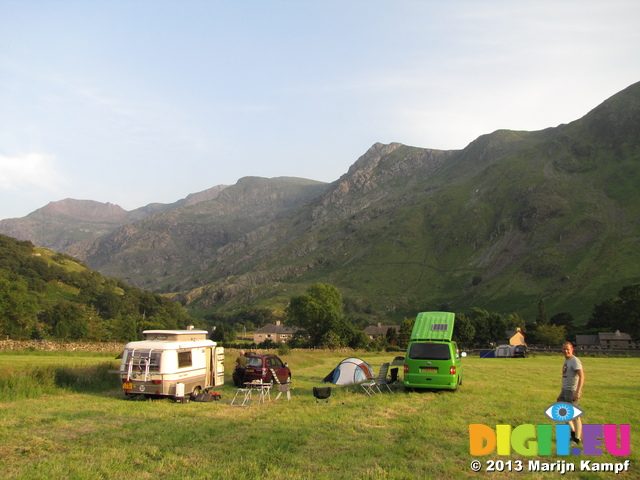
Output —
<point x="572" y="383"/>
<point x="241" y="366"/>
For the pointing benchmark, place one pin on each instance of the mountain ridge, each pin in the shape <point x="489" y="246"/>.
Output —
<point x="512" y="218"/>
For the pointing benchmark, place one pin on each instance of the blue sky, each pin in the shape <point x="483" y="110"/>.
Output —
<point x="134" y="102"/>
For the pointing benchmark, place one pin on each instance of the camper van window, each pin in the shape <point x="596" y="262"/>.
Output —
<point x="429" y="351"/>
<point x="140" y="358"/>
<point x="184" y="359"/>
<point x="154" y="362"/>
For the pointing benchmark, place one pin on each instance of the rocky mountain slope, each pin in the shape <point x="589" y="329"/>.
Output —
<point x="166" y="250"/>
<point x="69" y="225"/>
<point x="513" y="218"/>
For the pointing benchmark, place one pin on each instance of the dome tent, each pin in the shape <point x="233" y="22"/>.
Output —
<point x="350" y="370"/>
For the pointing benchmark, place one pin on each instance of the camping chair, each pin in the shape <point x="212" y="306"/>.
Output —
<point x="372" y="385"/>
<point x="391" y="380"/>
<point x="322" y="394"/>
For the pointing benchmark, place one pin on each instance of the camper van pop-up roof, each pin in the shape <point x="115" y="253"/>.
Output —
<point x="432" y="326"/>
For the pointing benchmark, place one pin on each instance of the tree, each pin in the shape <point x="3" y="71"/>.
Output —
<point x="359" y="340"/>
<point x="68" y="320"/>
<point x="405" y="332"/>
<point x="463" y="330"/>
<point x="17" y="309"/>
<point x="319" y="313"/>
<point x="619" y="313"/>
<point x="480" y="321"/>
<point x="224" y="334"/>
<point x="564" y="319"/>
<point x="630" y="299"/>
<point x="497" y="327"/>
<point x="392" y="336"/>
<point x="542" y="318"/>
<point x="514" y="321"/>
<point x="551" y="334"/>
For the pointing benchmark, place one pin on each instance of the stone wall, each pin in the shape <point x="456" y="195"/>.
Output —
<point x="52" y="346"/>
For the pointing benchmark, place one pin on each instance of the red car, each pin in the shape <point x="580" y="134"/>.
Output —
<point x="259" y="367"/>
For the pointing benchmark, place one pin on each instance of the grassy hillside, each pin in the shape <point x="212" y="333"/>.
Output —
<point x="47" y="295"/>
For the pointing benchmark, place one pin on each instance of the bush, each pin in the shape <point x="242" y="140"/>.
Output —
<point x="284" y="349"/>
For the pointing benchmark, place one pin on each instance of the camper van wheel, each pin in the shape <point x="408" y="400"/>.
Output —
<point x="196" y="391"/>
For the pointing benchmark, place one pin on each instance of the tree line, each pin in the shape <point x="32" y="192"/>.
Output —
<point x="319" y="316"/>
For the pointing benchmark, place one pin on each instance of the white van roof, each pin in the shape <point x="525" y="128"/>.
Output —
<point x="168" y="344"/>
<point x="174" y="332"/>
<point x="172" y="339"/>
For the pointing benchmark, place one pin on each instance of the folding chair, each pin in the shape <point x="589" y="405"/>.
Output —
<point x="282" y="387"/>
<point x="243" y="395"/>
<point x="390" y="381"/>
<point x="322" y="394"/>
<point x="372" y="385"/>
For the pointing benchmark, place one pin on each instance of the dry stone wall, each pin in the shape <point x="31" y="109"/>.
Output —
<point x="61" y="346"/>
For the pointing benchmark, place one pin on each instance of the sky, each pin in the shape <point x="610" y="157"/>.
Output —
<point x="142" y="101"/>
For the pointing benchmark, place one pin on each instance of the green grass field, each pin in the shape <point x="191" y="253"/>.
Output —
<point x="79" y="425"/>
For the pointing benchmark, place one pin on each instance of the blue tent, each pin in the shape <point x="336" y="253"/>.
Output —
<point x="349" y="370"/>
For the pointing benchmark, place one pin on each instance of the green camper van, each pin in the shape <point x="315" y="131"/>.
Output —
<point x="433" y="359"/>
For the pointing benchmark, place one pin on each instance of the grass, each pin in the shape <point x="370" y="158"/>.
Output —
<point x="77" y="429"/>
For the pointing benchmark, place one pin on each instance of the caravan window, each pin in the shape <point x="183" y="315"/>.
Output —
<point x="429" y="351"/>
<point x="184" y="359"/>
<point x="140" y="358"/>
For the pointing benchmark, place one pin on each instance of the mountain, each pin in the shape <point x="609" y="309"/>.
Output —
<point x="165" y="250"/>
<point x="513" y="218"/>
<point x="69" y="225"/>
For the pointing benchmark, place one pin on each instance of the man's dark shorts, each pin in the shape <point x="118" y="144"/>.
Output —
<point x="566" y="396"/>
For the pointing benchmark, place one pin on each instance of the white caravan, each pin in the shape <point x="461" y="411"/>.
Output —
<point x="171" y="363"/>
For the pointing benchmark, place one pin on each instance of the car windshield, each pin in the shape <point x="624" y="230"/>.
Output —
<point x="429" y="351"/>
<point x="254" y="362"/>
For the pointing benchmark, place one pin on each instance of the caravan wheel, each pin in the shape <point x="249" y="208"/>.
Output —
<point x="196" y="391"/>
